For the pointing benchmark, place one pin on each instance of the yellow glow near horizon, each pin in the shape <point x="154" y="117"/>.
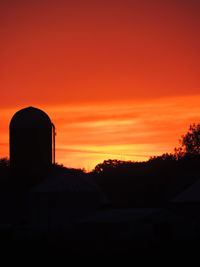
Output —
<point x="87" y="134"/>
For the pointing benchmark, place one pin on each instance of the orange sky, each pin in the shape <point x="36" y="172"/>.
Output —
<point x="120" y="79"/>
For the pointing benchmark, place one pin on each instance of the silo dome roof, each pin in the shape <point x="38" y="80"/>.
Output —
<point x="30" y="117"/>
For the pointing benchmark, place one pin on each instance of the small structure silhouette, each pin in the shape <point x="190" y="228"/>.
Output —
<point x="32" y="140"/>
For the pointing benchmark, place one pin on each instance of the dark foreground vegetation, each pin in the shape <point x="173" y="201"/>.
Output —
<point x="150" y="184"/>
<point x="156" y="181"/>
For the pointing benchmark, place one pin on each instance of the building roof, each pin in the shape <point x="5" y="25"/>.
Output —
<point x="190" y="195"/>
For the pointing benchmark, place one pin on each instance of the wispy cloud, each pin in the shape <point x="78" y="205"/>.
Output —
<point x="132" y="130"/>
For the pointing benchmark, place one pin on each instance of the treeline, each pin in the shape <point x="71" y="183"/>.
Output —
<point x="128" y="183"/>
<point x="151" y="183"/>
<point x="156" y="181"/>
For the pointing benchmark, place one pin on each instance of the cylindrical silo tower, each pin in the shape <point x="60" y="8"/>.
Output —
<point x="32" y="140"/>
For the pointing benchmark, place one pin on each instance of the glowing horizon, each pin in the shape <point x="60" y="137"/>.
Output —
<point x="89" y="134"/>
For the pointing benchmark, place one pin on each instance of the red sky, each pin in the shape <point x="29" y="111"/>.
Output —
<point x="119" y="79"/>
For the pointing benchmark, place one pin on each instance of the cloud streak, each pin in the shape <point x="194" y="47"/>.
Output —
<point x="87" y="134"/>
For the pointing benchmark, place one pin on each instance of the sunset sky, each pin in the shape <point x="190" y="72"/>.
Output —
<point x="119" y="79"/>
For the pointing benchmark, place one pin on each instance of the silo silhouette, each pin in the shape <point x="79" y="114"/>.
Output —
<point x="32" y="140"/>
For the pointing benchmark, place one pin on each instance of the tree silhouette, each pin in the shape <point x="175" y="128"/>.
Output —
<point x="190" y="142"/>
<point x="109" y="165"/>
